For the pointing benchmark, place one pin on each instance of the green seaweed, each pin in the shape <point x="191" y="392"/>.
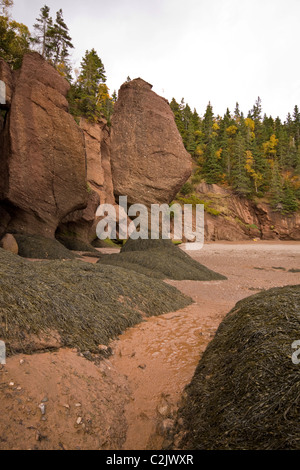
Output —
<point x="88" y="305"/>
<point x="159" y="259"/>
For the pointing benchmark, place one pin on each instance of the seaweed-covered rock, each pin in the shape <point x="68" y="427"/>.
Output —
<point x="74" y="244"/>
<point x="144" y="245"/>
<point x="160" y="259"/>
<point x="97" y="243"/>
<point x="82" y="304"/>
<point x="245" y="394"/>
<point x="38" y="247"/>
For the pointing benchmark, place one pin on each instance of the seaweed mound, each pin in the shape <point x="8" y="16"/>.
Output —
<point x="160" y="259"/>
<point x="144" y="245"/>
<point x="245" y="393"/>
<point x="73" y="244"/>
<point x="97" y="243"/>
<point x="38" y="247"/>
<point x="86" y="305"/>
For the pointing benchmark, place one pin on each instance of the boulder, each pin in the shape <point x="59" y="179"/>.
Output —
<point x="43" y="152"/>
<point x="148" y="158"/>
<point x="9" y="243"/>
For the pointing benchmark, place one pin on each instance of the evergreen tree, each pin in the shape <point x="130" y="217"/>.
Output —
<point x="253" y="155"/>
<point x="86" y="95"/>
<point x="114" y="96"/>
<point x="177" y="111"/>
<point x="257" y="110"/>
<point x="212" y="168"/>
<point x="60" y="40"/>
<point x="240" y="179"/>
<point x="207" y="123"/>
<point x="43" y="32"/>
<point x="276" y="190"/>
<point x="289" y="200"/>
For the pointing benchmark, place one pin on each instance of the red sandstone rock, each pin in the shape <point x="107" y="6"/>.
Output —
<point x="242" y="219"/>
<point x="149" y="161"/>
<point x="97" y="146"/>
<point x="43" y="156"/>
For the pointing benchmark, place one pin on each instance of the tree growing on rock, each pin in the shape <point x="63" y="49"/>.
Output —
<point x="53" y="40"/>
<point x="42" y="32"/>
<point x="89" y="96"/>
<point x="60" y="39"/>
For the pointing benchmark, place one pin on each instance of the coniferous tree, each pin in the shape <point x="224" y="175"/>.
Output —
<point x="207" y="123"/>
<point x="276" y="190"/>
<point x="254" y="155"/>
<point x="240" y="179"/>
<point x="89" y="93"/>
<point x="42" y="37"/>
<point x="289" y="199"/>
<point x="60" y="40"/>
<point x="212" y="167"/>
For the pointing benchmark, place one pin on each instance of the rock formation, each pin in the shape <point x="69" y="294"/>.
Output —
<point x="54" y="173"/>
<point x="43" y="164"/>
<point x="82" y="224"/>
<point x="149" y="161"/>
<point x="97" y="147"/>
<point x="242" y="219"/>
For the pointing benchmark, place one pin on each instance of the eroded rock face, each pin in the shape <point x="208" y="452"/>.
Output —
<point x="6" y="77"/>
<point x="43" y="156"/>
<point x="81" y="224"/>
<point x="241" y="219"/>
<point x="149" y="161"/>
<point x="97" y="147"/>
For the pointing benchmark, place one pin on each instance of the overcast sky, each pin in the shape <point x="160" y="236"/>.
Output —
<point x="221" y="51"/>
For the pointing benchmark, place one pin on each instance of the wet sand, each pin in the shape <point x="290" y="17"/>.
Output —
<point x="160" y="356"/>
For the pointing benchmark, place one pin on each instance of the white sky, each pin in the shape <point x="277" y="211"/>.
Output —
<point x="221" y="51"/>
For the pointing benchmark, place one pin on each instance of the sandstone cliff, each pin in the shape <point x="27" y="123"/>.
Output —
<point x="240" y="219"/>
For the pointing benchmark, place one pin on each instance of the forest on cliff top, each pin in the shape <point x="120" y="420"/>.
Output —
<point x="255" y="155"/>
